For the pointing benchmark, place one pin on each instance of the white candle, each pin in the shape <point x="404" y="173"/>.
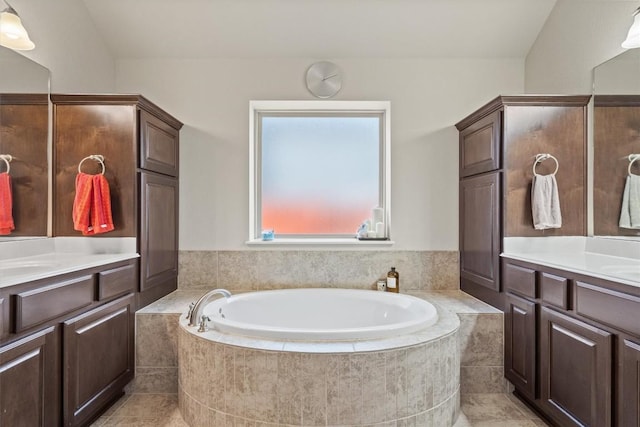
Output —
<point x="377" y="216"/>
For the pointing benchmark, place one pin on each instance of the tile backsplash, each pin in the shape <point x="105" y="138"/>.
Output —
<point x="242" y="271"/>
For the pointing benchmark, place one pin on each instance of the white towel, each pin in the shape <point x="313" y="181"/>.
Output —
<point x="630" y="212"/>
<point x="545" y="203"/>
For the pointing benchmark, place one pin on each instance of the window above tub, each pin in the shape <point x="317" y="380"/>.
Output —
<point x="319" y="170"/>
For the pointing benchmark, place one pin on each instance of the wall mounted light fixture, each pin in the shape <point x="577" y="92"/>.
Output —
<point x="633" y="37"/>
<point x="12" y="33"/>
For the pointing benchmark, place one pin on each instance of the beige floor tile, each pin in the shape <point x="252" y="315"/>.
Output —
<point x="145" y="422"/>
<point x="540" y="423"/>
<point x="490" y="407"/>
<point x="462" y="421"/>
<point x="521" y="406"/>
<point x="150" y="406"/>
<point x="478" y="410"/>
<point x="507" y="423"/>
<point x="99" y="422"/>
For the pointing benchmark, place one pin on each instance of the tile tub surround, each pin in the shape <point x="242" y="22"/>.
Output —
<point x="418" y="382"/>
<point x="480" y="342"/>
<point x="252" y="270"/>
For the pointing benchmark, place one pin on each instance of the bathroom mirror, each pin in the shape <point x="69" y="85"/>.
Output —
<point x="24" y="135"/>
<point x="616" y="135"/>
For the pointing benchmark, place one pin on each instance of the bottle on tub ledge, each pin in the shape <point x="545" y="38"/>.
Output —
<point x="393" y="281"/>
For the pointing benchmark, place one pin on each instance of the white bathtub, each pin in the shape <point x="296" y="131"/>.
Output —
<point x="320" y="314"/>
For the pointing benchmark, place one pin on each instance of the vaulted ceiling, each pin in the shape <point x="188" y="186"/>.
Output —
<point x="319" y="28"/>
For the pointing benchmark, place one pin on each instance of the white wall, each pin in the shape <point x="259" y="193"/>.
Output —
<point x="212" y="98"/>
<point x="578" y="35"/>
<point x="68" y="44"/>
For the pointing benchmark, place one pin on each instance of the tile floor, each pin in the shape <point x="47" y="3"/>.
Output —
<point x="161" y="410"/>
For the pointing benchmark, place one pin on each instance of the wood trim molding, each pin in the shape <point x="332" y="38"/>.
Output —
<point x="24" y="98"/>
<point x="117" y="99"/>
<point x="616" y="100"/>
<point x="533" y="100"/>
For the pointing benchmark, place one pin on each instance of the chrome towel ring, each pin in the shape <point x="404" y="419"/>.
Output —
<point x="7" y="158"/>
<point x="541" y="158"/>
<point x="97" y="157"/>
<point x="632" y="159"/>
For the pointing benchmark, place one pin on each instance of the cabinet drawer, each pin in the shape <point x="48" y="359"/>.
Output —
<point x="158" y="145"/>
<point x="46" y="303"/>
<point x="520" y="280"/>
<point x="117" y="281"/>
<point x="554" y="290"/>
<point x="613" y="308"/>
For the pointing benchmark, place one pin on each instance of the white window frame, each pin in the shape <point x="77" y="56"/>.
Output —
<point x="333" y="107"/>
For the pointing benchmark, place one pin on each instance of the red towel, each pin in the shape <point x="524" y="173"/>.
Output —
<point x="92" y="205"/>
<point x="82" y="203"/>
<point x="6" y="204"/>
<point x="101" y="207"/>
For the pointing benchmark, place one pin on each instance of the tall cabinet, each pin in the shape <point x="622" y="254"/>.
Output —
<point x="140" y="145"/>
<point x="498" y="145"/>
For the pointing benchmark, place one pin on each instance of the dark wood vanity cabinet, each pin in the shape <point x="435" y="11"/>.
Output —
<point x="520" y="342"/>
<point x="29" y="380"/>
<point x="140" y="144"/>
<point x="97" y="359"/>
<point x="69" y="348"/>
<point x="629" y="382"/>
<point x="158" y="234"/>
<point x="498" y="144"/>
<point x="575" y="370"/>
<point x="569" y="351"/>
<point x="480" y="243"/>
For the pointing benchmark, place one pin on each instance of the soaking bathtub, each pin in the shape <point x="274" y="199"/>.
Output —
<point x="320" y="357"/>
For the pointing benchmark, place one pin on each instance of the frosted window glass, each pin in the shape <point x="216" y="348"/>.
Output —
<point x="320" y="175"/>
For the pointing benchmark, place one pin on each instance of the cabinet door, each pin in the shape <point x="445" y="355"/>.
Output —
<point x="520" y="344"/>
<point x="629" y="380"/>
<point x="98" y="359"/>
<point x="30" y="381"/>
<point x="159" y="233"/>
<point x="480" y="145"/>
<point x="575" y="370"/>
<point x="480" y="235"/>
<point x="158" y="145"/>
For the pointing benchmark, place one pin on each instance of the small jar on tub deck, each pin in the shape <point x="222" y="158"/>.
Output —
<point x="393" y="281"/>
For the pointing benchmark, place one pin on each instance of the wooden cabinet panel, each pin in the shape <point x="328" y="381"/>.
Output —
<point x="520" y="280"/>
<point x="117" y="281"/>
<point x="159" y="229"/>
<point x="80" y="129"/>
<point x="554" y="290"/>
<point x="29" y="378"/>
<point x="158" y="145"/>
<point x="610" y="307"/>
<point x="520" y="344"/>
<point x="480" y="230"/>
<point x="561" y="131"/>
<point x="629" y="382"/>
<point x="575" y="371"/>
<point x="48" y="302"/>
<point x="480" y="145"/>
<point x="98" y="359"/>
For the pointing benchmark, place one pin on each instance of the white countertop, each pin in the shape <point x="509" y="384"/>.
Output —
<point x="29" y="260"/>
<point x="609" y="259"/>
<point x="27" y="269"/>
